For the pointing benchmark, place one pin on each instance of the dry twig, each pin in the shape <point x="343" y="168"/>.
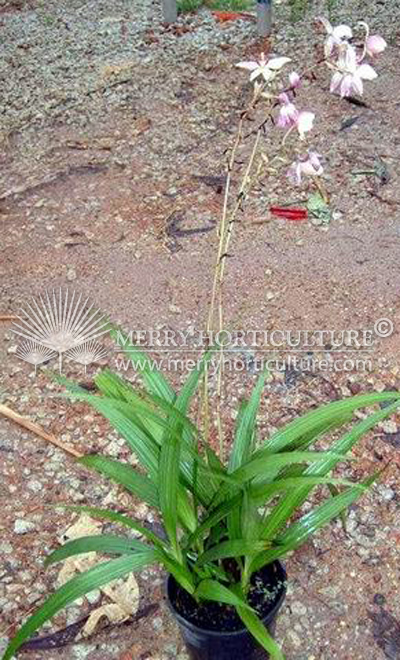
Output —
<point x="35" y="428"/>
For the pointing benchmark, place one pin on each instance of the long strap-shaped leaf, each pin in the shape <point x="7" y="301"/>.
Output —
<point x="169" y="487"/>
<point x="290" y="503"/>
<point x="262" y="464"/>
<point x="302" y="443"/>
<point x="158" y="386"/>
<point x="146" y="450"/>
<point x="138" y="484"/>
<point x="245" y="427"/>
<point x="125" y="475"/>
<point x="260" y="494"/>
<point x="299" y="531"/>
<point x="153" y="379"/>
<point x="242" y="517"/>
<point x="144" y="446"/>
<point x="76" y="588"/>
<point x="114" y="516"/>
<point x="213" y="590"/>
<point x="142" y="415"/>
<point x="259" y="632"/>
<point x="218" y="514"/>
<point x="233" y="548"/>
<point x="143" y="428"/>
<point x="327" y="414"/>
<point x="107" y="544"/>
<point x="152" y="410"/>
<point x="181" y="574"/>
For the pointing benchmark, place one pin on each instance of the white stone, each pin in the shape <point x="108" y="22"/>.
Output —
<point x="23" y="526"/>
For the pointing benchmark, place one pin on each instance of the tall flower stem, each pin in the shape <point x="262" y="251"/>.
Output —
<point x="225" y="231"/>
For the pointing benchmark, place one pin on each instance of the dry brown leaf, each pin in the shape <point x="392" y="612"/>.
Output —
<point x="84" y="526"/>
<point x="123" y="592"/>
<point x="111" y="611"/>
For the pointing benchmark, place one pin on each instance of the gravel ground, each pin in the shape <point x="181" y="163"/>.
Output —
<point x="108" y="119"/>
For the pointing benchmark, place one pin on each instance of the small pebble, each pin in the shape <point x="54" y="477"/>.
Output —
<point x="23" y="526"/>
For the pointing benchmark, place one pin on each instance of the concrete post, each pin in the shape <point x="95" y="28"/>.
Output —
<point x="264" y="17"/>
<point x="169" y="11"/>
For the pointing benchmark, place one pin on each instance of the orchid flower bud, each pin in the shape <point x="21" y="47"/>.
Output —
<point x="294" y="80"/>
<point x="375" y="45"/>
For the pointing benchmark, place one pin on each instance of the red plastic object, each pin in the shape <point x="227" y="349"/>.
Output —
<point x="289" y="213"/>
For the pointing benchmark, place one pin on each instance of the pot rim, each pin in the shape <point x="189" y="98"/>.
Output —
<point x="233" y="633"/>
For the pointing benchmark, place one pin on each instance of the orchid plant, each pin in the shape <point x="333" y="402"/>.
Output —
<point x="243" y="508"/>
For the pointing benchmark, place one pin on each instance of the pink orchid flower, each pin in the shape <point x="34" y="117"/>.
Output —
<point x="348" y="78"/>
<point x="288" y="113"/>
<point x="336" y="35"/>
<point x="265" y="68"/>
<point x="309" y="165"/>
<point x="374" y="45"/>
<point x="294" y="80"/>
<point x="290" y="117"/>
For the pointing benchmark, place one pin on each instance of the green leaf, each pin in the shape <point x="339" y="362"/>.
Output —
<point x="233" y="548"/>
<point x="293" y="500"/>
<point x="102" y="543"/>
<point x="144" y="430"/>
<point x="301" y="530"/>
<point x="218" y="514"/>
<point x="168" y="484"/>
<point x="143" y="446"/>
<point x="260" y="632"/>
<point x="124" y="475"/>
<point x="327" y="414"/>
<point x="151" y="410"/>
<point x="113" y="516"/>
<point x="250" y="517"/>
<point x="170" y="493"/>
<point x="153" y="379"/>
<point x="76" y="588"/>
<point x="245" y="427"/>
<point x="213" y="590"/>
<point x="240" y="520"/>
<point x="260" y="465"/>
<point x="180" y="572"/>
<point x="260" y="493"/>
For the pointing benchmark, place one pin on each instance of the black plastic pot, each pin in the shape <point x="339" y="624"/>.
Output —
<point x="213" y="645"/>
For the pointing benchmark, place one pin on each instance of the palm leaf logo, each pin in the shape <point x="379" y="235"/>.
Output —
<point x="34" y="353"/>
<point x="60" y="322"/>
<point x="87" y="353"/>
